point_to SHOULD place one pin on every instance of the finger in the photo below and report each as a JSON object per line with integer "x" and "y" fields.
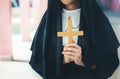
{"x": 67, "y": 59}
{"x": 69, "y": 54}
{"x": 70, "y": 58}
{"x": 75, "y": 56}
{"x": 72, "y": 45}
{"x": 71, "y": 49}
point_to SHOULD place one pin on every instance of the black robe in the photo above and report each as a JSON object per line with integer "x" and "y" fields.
{"x": 99, "y": 44}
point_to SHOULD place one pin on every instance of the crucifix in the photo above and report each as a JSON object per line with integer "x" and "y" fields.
{"x": 70, "y": 33}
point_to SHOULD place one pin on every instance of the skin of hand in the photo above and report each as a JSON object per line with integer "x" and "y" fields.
{"x": 72, "y": 51}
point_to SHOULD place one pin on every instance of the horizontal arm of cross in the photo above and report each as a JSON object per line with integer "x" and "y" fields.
{"x": 77, "y": 33}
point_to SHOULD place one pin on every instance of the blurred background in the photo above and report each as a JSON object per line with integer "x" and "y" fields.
{"x": 19, "y": 20}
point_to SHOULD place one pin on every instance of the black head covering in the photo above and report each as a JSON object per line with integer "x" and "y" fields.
{"x": 46, "y": 47}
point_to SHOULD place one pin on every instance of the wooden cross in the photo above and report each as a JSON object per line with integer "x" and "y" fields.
{"x": 70, "y": 33}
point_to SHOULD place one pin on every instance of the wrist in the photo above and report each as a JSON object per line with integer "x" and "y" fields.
{"x": 81, "y": 63}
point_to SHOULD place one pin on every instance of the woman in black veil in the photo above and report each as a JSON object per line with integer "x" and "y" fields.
{"x": 94, "y": 55}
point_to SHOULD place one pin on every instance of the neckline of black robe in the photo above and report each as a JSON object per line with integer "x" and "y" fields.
{"x": 46, "y": 47}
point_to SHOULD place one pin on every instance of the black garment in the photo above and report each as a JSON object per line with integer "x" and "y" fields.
{"x": 80, "y": 73}
{"x": 99, "y": 44}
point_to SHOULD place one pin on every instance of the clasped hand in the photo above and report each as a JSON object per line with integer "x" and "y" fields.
{"x": 73, "y": 52}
